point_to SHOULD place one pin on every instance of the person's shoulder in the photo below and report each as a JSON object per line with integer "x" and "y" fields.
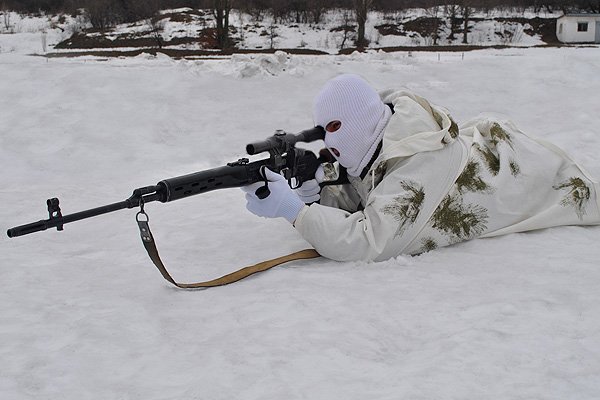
{"x": 404, "y": 96}
{"x": 389, "y": 95}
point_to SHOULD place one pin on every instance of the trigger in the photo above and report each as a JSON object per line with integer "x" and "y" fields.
{"x": 263, "y": 192}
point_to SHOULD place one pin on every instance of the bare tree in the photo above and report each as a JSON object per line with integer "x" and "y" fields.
{"x": 282, "y": 11}
{"x": 221, "y": 9}
{"x": 157, "y": 26}
{"x": 316, "y": 9}
{"x": 466, "y": 11}
{"x": 347, "y": 28}
{"x": 434, "y": 29}
{"x": 256, "y": 9}
{"x": 5, "y": 16}
{"x": 242, "y": 18}
{"x": 299, "y": 8}
{"x": 451, "y": 11}
{"x": 102, "y": 14}
{"x": 361, "y": 8}
{"x": 272, "y": 34}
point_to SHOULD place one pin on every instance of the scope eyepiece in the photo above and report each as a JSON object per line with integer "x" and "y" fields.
{"x": 311, "y": 135}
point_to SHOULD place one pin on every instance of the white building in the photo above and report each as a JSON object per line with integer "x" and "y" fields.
{"x": 578, "y": 28}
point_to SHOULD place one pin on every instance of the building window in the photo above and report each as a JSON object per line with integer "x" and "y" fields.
{"x": 582, "y": 27}
{"x": 560, "y": 28}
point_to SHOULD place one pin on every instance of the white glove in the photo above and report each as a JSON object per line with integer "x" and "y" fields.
{"x": 310, "y": 191}
{"x": 282, "y": 202}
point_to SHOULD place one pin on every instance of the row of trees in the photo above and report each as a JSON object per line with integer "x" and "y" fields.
{"x": 310, "y": 11}
{"x": 103, "y": 14}
{"x": 299, "y": 8}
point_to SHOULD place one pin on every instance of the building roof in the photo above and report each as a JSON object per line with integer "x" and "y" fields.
{"x": 579, "y": 15}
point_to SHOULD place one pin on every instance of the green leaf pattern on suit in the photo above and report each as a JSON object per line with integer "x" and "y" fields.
{"x": 406, "y": 208}
{"x": 577, "y": 195}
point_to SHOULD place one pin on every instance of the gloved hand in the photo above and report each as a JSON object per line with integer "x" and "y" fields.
{"x": 310, "y": 191}
{"x": 282, "y": 202}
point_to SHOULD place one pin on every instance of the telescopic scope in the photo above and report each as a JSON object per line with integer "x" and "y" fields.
{"x": 282, "y": 141}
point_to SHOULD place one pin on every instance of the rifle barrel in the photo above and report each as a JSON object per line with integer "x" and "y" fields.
{"x": 56, "y": 222}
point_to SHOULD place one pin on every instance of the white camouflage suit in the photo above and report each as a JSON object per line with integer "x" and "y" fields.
{"x": 434, "y": 184}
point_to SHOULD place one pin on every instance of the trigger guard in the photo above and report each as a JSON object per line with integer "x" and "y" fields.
{"x": 262, "y": 192}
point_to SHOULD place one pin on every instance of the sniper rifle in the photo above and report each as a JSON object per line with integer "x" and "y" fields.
{"x": 295, "y": 164}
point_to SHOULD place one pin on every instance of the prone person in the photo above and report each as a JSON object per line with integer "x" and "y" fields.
{"x": 417, "y": 182}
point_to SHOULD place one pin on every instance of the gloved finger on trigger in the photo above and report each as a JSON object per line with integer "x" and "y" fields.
{"x": 272, "y": 176}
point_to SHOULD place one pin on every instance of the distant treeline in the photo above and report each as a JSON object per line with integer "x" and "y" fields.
{"x": 129, "y": 10}
{"x": 104, "y": 14}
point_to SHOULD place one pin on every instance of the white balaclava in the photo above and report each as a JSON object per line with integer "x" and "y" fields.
{"x": 363, "y": 116}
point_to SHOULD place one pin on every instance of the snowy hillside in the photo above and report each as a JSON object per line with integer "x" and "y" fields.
{"x": 189, "y": 29}
{"x": 85, "y": 315}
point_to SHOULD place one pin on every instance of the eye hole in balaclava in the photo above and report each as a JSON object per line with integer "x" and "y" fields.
{"x": 333, "y": 126}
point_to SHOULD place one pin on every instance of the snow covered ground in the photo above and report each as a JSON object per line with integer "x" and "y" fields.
{"x": 85, "y": 315}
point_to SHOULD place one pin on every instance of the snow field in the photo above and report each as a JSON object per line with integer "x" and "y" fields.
{"x": 85, "y": 315}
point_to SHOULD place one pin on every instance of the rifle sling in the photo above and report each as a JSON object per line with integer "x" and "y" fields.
{"x": 150, "y": 246}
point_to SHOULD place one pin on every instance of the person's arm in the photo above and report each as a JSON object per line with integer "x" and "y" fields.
{"x": 382, "y": 228}
{"x": 337, "y": 196}
{"x": 343, "y": 197}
